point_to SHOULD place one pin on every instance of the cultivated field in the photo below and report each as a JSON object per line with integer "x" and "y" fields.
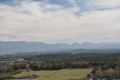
{"x": 65, "y": 74}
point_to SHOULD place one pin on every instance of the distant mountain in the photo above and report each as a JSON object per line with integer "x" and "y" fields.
{"x": 23, "y": 46}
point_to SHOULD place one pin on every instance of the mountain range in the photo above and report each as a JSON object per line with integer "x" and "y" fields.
{"x": 86, "y": 47}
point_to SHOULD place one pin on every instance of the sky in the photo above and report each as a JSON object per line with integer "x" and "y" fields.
{"x": 60, "y": 21}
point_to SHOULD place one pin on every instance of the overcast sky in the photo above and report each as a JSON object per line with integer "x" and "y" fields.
{"x": 65, "y": 21}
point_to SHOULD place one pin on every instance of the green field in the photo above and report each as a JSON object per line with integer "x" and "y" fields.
{"x": 64, "y": 74}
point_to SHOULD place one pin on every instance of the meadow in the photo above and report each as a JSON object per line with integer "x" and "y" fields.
{"x": 64, "y": 74}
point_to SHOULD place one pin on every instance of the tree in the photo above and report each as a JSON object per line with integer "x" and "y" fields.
{"x": 99, "y": 73}
{"x": 110, "y": 73}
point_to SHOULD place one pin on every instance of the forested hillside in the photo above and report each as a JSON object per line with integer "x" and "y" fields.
{"x": 103, "y": 65}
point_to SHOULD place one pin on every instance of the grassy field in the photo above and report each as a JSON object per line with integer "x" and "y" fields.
{"x": 65, "y": 74}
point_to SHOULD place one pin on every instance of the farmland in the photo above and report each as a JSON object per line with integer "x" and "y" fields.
{"x": 64, "y": 74}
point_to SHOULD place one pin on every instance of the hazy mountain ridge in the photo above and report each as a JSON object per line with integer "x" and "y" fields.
{"x": 23, "y": 46}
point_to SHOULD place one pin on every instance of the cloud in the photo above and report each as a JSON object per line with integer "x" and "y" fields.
{"x": 48, "y": 22}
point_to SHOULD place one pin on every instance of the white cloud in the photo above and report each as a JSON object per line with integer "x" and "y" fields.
{"x": 44, "y": 22}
